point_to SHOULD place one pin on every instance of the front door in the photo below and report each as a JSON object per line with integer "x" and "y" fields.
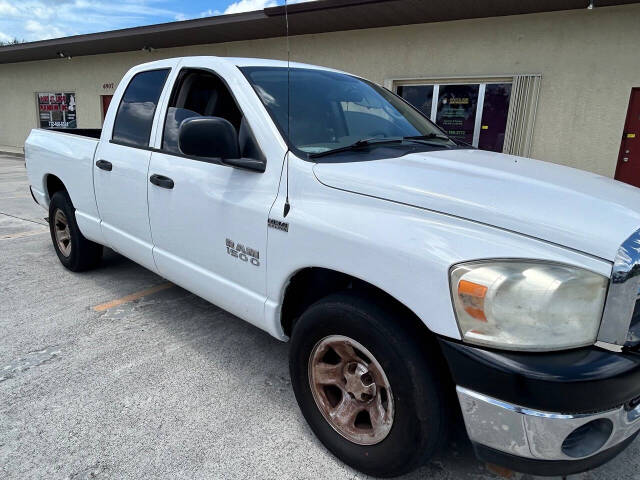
{"x": 628, "y": 169}
{"x": 209, "y": 220}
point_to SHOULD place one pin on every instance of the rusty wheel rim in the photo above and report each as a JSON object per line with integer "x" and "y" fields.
{"x": 62, "y": 233}
{"x": 351, "y": 390}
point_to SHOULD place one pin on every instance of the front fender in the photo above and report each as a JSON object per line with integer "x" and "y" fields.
{"x": 405, "y": 251}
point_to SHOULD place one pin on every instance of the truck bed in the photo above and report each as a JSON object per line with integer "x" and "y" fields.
{"x": 66, "y": 155}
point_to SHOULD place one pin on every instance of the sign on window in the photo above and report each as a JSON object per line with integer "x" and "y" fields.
{"x": 57, "y": 110}
{"x": 457, "y": 111}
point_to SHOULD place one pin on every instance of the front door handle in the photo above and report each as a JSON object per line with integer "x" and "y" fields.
{"x": 161, "y": 181}
{"x": 104, "y": 165}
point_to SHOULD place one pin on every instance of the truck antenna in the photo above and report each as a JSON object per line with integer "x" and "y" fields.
{"x": 287, "y": 205}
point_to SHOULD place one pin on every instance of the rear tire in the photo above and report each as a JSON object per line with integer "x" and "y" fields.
{"x": 411, "y": 363}
{"x": 74, "y": 251}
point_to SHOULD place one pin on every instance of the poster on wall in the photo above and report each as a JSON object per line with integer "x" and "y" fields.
{"x": 57, "y": 110}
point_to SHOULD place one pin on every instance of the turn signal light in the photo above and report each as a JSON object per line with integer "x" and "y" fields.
{"x": 472, "y": 297}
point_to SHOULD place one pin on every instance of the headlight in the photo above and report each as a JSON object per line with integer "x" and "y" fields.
{"x": 527, "y": 305}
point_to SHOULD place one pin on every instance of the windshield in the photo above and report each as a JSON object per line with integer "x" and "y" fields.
{"x": 331, "y": 110}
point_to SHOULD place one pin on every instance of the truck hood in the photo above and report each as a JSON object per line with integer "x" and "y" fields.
{"x": 562, "y": 205}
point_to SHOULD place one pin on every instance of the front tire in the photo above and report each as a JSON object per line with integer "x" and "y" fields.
{"x": 74, "y": 251}
{"x": 371, "y": 390}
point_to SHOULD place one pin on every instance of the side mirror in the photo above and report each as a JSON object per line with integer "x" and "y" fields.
{"x": 209, "y": 137}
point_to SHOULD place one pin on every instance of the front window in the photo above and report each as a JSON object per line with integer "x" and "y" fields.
{"x": 331, "y": 110}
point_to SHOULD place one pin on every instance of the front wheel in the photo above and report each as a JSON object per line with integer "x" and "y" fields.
{"x": 74, "y": 251}
{"x": 367, "y": 386}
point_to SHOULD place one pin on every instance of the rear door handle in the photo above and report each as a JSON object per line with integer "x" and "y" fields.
{"x": 161, "y": 181}
{"x": 104, "y": 165}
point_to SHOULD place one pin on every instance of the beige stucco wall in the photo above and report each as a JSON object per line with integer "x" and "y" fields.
{"x": 588, "y": 59}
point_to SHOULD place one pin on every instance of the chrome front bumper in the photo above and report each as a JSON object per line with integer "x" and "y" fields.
{"x": 541, "y": 435}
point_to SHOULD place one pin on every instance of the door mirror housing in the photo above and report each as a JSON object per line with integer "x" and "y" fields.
{"x": 209, "y": 137}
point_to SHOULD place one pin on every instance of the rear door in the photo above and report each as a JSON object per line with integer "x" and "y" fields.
{"x": 209, "y": 222}
{"x": 122, "y": 163}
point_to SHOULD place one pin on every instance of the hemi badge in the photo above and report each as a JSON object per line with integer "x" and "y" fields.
{"x": 278, "y": 225}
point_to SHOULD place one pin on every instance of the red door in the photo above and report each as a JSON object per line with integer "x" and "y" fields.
{"x": 106, "y": 100}
{"x": 628, "y": 169}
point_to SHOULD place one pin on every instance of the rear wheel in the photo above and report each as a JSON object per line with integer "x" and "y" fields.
{"x": 368, "y": 387}
{"x": 74, "y": 251}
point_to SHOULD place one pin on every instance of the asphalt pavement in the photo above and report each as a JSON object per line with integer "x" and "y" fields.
{"x": 117, "y": 374}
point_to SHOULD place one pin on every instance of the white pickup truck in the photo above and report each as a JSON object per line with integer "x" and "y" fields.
{"x": 417, "y": 279}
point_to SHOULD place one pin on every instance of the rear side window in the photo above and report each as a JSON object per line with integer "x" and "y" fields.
{"x": 135, "y": 114}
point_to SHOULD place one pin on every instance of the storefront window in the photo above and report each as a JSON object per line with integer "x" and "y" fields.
{"x": 420, "y": 96}
{"x": 474, "y": 113}
{"x": 494, "y": 116}
{"x": 457, "y": 111}
{"x": 57, "y": 110}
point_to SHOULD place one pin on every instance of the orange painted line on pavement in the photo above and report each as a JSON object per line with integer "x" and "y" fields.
{"x": 134, "y": 296}
{"x": 9, "y": 236}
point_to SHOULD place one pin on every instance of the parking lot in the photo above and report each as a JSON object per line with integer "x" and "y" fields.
{"x": 116, "y": 373}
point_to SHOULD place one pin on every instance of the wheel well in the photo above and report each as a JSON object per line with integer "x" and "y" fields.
{"x": 311, "y": 284}
{"x": 54, "y": 184}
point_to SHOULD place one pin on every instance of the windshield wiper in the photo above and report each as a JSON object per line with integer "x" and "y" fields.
{"x": 365, "y": 142}
{"x": 429, "y": 136}
{"x": 436, "y": 136}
